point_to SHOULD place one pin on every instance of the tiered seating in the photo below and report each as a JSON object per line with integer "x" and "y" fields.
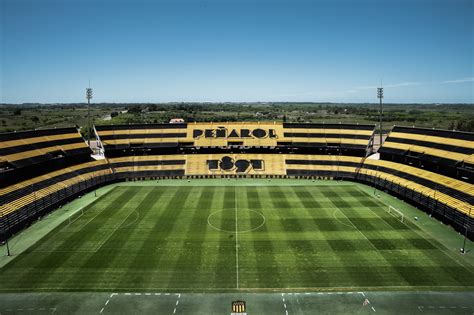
{"x": 350, "y": 137}
{"x": 453, "y": 193}
{"x": 30, "y": 147}
{"x": 447, "y": 152}
{"x": 141, "y": 136}
{"x": 121, "y": 140}
{"x": 148, "y": 166}
{"x": 30, "y": 197}
{"x": 322, "y": 165}
{"x": 42, "y": 168}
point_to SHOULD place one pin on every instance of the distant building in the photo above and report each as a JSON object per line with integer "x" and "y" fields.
{"x": 176, "y": 120}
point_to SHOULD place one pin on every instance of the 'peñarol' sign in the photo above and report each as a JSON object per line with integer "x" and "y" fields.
{"x": 225, "y": 133}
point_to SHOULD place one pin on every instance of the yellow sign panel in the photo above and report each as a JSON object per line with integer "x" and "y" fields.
{"x": 224, "y": 134}
{"x": 238, "y": 307}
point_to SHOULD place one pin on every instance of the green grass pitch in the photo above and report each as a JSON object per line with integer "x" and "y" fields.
{"x": 227, "y": 238}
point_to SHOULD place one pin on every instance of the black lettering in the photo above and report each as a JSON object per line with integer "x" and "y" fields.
{"x": 227, "y": 163}
{"x": 210, "y": 133}
{"x": 272, "y": 133}
{"x": 234, "y": 134}
{"x": 221, "y": 132}
{"x": 245, "y": 133}
{"x": 242, "y": 166}
{"x": 257, "y": 164}
{"x": 259, "y": 133}
{"x": 213, "y": 164}
{"x": 197, "y": 133}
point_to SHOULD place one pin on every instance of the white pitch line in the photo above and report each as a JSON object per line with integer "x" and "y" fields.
{"x": 177, "y": 302}
{"x": 373, "y": 309}
{"x": 236, "y": 242}
{"x": 284, "y": 303}
{"x": 107, "y": 302}
{"x": 101, "y": 310}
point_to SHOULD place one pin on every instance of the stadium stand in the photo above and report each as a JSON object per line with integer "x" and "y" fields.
{"x": 30, "y": 147}
{"x": 269, "y": 137}
{"x": 349, "y": 138}
{"x": 153, "y": 166}
{"x": 447, "y": 152}
{"x": 128, "y": 137}
{"x": 431, "y": 169}
{"x": 42, "y": 169}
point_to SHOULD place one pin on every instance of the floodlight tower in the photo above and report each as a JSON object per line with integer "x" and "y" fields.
{"x": 89, "y": 97}
{"x": 380, "y": 97}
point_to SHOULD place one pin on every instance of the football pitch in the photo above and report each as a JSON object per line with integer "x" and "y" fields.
{"x": 273, "y": 238}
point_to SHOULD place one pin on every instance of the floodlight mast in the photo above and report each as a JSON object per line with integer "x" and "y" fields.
{"x": 380, "y": 97}
{"x": 89, "y": 97}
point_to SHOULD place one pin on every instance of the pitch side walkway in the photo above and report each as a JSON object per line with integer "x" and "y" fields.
{"x": 350, "y": 302}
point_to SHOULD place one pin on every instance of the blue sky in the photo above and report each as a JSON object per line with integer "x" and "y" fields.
{"x": 261, "y": 50}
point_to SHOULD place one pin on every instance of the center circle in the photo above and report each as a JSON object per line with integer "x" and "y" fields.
{"x": 225, "y": 220}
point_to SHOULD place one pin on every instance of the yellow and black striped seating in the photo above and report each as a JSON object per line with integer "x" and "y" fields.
{"x": 29, "y": 147}
{"x": 441, "y": 147}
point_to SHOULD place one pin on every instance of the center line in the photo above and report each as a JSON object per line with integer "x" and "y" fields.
{"x": 236, "y": 240}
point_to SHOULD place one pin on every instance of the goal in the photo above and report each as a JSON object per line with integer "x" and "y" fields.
{"x": 396, "y": 213}
{"x": 76, "y": 215}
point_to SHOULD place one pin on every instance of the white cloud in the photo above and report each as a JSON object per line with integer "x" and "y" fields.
{"x": 470, "y": 79}
{"x": 359, "y": 89}
{"x": 403, "y": 84}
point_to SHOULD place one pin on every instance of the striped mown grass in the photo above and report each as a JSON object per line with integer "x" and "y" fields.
{"x": 226, "y": 238}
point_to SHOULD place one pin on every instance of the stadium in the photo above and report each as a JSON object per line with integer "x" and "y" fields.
{"x": 275, "y": 218}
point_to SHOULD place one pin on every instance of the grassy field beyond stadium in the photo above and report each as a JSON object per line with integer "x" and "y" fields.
{"x": 228, "y": 238}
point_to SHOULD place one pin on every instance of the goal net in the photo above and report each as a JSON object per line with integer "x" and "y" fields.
{"x": 73, "y": 217}
{"x": 396, "y": 213}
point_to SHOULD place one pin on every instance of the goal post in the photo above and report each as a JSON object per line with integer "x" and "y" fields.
{"x": 76, "y": 215}
{"x": 396, "y": 213}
